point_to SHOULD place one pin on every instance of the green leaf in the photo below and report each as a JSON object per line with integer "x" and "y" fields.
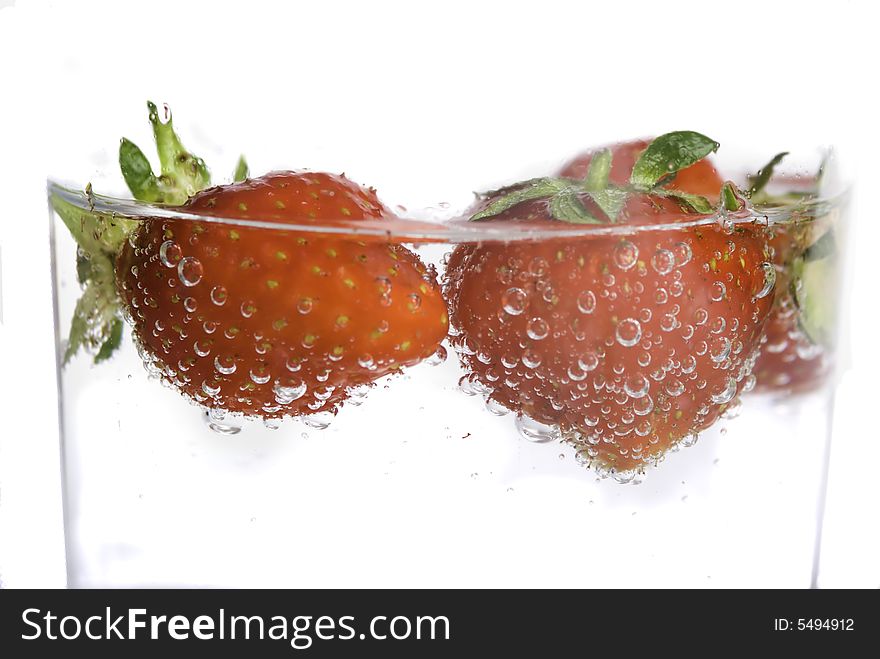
{"x": 731, "y": 197}
{"x": 137, "y": 172}
{"x": 79, "y": 327}
{"x": 697, "y": 202}
{"x": 83, "y": 267}
{"x": 96, "y": 325}
{"x": 610, "y": 200}
{"x": 112, "y": 342}
{"x": 668, "y": 154}
{"x": 241, "y": 170}
{"x": 99, "y": 237}
{"x": 814, "y": 288}
{"x": 759, "y": 181}
{"x": 600, "y": 169}
{"x": 534, "y": 189}
{"x": 567, "y": 207}
{"x": 824, "y": 247}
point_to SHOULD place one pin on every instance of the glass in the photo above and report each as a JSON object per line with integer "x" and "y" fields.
{"x": 485, "y": 455}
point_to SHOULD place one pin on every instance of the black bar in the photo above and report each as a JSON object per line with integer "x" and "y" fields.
{"x": 519, "y": 622}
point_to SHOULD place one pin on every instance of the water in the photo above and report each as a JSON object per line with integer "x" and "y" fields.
{"x": 413, "y": 471}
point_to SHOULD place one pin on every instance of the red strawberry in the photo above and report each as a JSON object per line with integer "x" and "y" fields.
{"x": 790, "y": 361}
{"x": 627, "y": 344}
{"x": 271, "y": 322}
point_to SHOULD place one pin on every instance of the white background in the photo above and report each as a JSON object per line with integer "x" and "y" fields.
{"x": 446, "y": 89}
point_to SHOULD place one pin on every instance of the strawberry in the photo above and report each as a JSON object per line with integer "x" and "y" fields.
{"x": 789, "y": 361}
{"x": 270, "y": 320}
{"x": 626, "y": 344}
{"x": 274, "y": 322}
{"x": 792, "y": 360}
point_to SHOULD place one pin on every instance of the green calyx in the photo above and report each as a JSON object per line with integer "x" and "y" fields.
{"x": 655, "y": 168}
{"x": 182, "y": 174}
{"x": 97, "y": 323}
{"x": 97, "y": 320}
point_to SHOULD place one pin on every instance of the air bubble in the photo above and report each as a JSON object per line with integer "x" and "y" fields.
{"x": 636, "y": 385}
{"x": 190, "y": 271}
{"x": 215, "y": 420}
{"x": 674, "y": 387}
{"x": 725, "y": 393}
{"x": 210, "y": 389}
{"x": 219, "y": 295}
{"x": 383, "y": 284}
{"x": 535, "y": 431}
{"x": 719, "y": 350}
{"x": 169, "y": 253}
{"x": 537, "y": 329}
{"x": 588, "y": 361}
{"x": 663, "y": 261}
{"x": 769, "y": 277}
{"x": 531, "y": 359}
{"x": 225, "y": 365}
{"x": 509, "y": 361}
{"x": 202, "y": 349}
{"x": 668, "y": 322}
{"x": 576, "y": 374}
{"x": 626, "y": 254}
{"x": 366, "y": 361}
{"x": 629, "y": 332}
{"x": 718, "y": 291}
{"x": 496, "y": 408}
{"x": 538, "y": 266}
{"x": 643, "y": 406}
{"x": 286, "y": 394}
{"x": 514, "y": 301}
{"x": 248, "y": 309}
{"x": 319, "y": 420}
{"x": 586, "y": 302}
{"x": 304, "y": 305}
{"x": 260, "y": 375}
{"x": 683, "y": 254}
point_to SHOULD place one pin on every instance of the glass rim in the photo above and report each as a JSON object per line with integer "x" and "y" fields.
{"x": 455, "y": 230}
